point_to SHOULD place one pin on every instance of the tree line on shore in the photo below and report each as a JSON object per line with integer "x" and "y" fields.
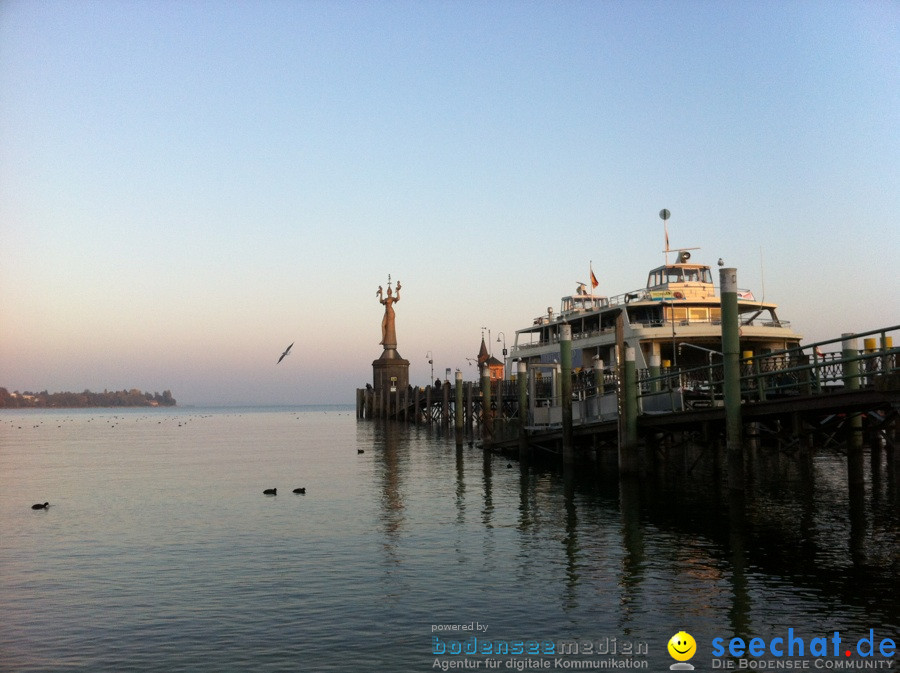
{"x": 108, "y": 398}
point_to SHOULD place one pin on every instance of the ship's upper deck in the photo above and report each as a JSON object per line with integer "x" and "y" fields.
{"x": 668, "y": 287}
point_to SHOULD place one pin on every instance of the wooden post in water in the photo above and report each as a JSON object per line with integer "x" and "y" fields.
{"x": 522, "y": 385}
{"x": 849, "y": 355}
{"x": 470, "y": 410}
{"x": 731, "y": 386}
{"x": 655, "y": 371}
{"x": 458, "y": 409}
{"x": 445, "y": 404}
{"x": 628, "y": 462}
{"x": 851, "y": 376}
{"x": 565, "y": 388}
{"x": 486, "y": 420}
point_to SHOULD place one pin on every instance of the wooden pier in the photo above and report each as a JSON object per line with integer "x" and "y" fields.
{"x": 827, "y": 392}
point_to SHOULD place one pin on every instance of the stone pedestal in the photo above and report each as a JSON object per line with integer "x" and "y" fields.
{"x": 390, "y": 370}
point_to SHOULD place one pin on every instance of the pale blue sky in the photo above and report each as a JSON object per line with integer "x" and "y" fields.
{"x": 188, "y": 187}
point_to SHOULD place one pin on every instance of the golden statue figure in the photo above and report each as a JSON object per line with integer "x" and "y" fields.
{"x": 388, "y": 331}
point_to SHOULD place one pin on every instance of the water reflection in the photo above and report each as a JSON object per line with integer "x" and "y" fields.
{"x": 633, "y": 542}
{"x": 675, "y": 541}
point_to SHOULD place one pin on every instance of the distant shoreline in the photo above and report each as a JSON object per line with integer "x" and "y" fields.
{"x": 85, "y": 400}
{"x": 338, "y": 407}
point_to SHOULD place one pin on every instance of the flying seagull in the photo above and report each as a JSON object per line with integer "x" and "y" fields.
{"x": 286, "y": 351}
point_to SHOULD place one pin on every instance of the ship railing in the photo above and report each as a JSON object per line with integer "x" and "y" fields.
{"x": 594, "y": 398}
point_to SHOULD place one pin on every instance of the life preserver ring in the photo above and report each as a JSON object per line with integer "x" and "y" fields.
{"x": 678, "y": 295}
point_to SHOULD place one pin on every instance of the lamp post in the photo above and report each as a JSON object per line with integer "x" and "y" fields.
{"x": 431, "y": 362}
{"x": 501, "y": 334}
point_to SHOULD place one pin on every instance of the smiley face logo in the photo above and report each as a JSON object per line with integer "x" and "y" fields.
{"x": 682, "y": 646}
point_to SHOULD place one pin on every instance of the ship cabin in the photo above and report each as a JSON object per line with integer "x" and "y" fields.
{"x": 676, "y": 317}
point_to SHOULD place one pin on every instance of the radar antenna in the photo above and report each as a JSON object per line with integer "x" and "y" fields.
{"x": 664, "y": 215}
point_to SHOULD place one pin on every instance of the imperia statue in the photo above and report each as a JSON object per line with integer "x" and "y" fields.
{"x": 388, "y": 330}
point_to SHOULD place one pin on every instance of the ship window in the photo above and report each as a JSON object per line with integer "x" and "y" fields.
{"x": 645, "y": 315}
{"x": 699, "y": 314}
{"x": 715, "y": 313}
{"x": 673, "y": 275}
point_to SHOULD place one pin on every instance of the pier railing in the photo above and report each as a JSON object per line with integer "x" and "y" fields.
{"x": 807, "y": 370}
{"x": 811, "y": 369}
{"x": 819, "y": 368}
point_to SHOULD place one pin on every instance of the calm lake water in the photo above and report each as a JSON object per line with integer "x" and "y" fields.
{"x": 159, "y": 551}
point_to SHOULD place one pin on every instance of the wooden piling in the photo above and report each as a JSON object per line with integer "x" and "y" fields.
{"x": 522, "y": 385}
{"x": 655, "y": 371}
{"x": 565, "y": 388}
{"x": 470, "y": 410}
{"x": 851, "y": 378}
{"x": 731, "y": 385}
{"x": 628, "y": 444}
{"x": 486, "y": 420}
{"x": 458, "y": 409}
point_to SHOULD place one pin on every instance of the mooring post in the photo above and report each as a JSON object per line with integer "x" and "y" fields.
{"x": 470, "y": 411}
{"x": 731, "y": 385}
{"x": 655, "y": 371}
{"x": 849, "y": 356}
{"x": 458, "y": 409}
{"x": 522, "y": 385}
{"x": 445, "y": 404}
{"x": 887, "y": 344}
{"x": 628, "y": 462}
{"x": 565, "y": 390}
{"x": 851, "y": 376}
{"x": 486, "y": 420}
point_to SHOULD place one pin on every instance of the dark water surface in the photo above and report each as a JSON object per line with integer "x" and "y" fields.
{"x": 159, "y": 551}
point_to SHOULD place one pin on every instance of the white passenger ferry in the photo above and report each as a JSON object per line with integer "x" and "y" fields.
{"x": 673, "y": 322}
